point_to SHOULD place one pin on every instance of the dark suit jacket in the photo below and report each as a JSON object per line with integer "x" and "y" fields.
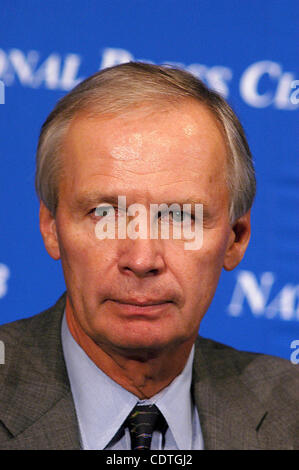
{"x": 244, "y": 400}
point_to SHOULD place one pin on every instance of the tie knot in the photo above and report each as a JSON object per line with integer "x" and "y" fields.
{"x": 142, "y": 422}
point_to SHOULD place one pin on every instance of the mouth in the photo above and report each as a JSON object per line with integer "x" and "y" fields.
{"x": 141, "y": 308}
{"x": 142, "y": 303}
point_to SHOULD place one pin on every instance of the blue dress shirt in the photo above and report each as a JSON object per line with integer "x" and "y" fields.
{"x": 102, "y": 405}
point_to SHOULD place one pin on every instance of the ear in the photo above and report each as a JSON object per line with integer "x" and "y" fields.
{"x": 47, "y": 226}
{"x": 238, "y": 242}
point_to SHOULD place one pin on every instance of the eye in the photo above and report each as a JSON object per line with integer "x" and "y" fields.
{"x": 103, "y": 211}
{"x": 181, "y": 216}
{"x": 177, "y": 216}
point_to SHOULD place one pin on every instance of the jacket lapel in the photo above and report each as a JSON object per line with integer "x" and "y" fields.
{"x": 55, "y": 430}
{"x": 36, "y": 405}
{"x": 231, "y": 415}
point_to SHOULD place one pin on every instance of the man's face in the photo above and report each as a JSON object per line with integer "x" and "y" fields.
{"x": 143, "y": 294}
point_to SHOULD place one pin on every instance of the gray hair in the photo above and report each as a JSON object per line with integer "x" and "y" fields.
{"x": 124, "y": 86}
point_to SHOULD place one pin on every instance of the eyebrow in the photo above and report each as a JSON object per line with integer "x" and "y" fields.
{"x": 88, "y": 199}
{"x": 189, "y": 200}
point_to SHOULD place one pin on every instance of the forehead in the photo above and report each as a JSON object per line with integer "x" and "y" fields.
{"x": 174, "y": 145}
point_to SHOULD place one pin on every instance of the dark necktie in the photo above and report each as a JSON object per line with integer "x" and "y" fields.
{"x": 142, "y": 422}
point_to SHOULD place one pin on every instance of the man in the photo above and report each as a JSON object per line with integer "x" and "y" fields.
{"x": 125, "y": 334}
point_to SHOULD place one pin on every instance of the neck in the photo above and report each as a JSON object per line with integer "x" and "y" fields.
{"x": 144, "y": 378}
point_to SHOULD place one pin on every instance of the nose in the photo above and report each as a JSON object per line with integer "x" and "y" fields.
{"x": 141, "y": 258}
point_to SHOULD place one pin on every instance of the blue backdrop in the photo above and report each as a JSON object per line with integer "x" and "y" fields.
{"x": 247, "y": 50}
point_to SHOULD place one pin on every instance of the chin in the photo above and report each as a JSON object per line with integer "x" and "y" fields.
{"x": 140, "y": 345}
{"x": 139, "y": 351}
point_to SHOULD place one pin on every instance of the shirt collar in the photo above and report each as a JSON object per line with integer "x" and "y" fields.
{"x": 102, "y": 405}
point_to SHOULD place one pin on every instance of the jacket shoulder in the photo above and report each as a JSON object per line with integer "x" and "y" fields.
{"x": 24, "y": 330}
{"x": 36, "y": 405}
{"x": 269, "y": 377}
{"x": 245, "y": 400}
{"x": 31, "y": 341}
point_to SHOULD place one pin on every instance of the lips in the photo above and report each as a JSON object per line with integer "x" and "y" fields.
{"x": 140, "y": 308}
{"x": 142, "y": 303}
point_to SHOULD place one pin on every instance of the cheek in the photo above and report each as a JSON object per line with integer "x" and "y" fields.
{"x": 201, "y": 270}
{"x": 82, "y": 255}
